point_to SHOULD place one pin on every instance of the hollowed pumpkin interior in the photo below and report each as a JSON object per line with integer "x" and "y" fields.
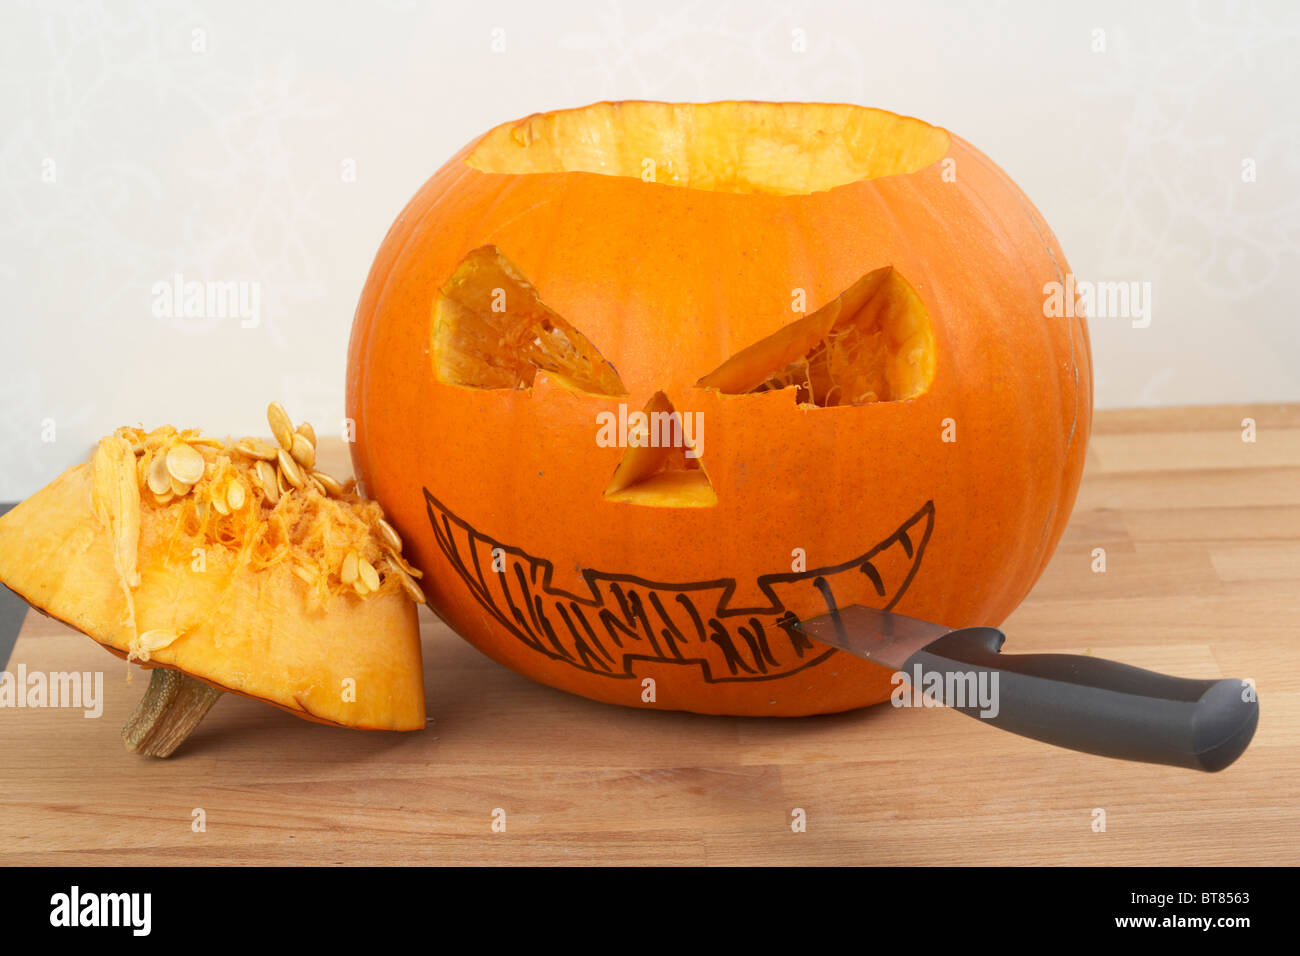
{"x": 872, "y": 343}
{"x": 490, "y": 330}
{"x": 774, "y": 148}
{"x": 656, "y": 469}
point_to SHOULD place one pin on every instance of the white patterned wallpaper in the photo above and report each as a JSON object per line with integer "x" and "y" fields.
{"x": 269, "y": 146}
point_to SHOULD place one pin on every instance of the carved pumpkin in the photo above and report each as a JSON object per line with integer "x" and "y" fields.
{"x": 642, "y": 384}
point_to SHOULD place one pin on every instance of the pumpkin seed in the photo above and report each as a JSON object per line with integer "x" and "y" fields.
{"x": 264, "y": 474}
{"x": 366, "y": 572}
{"x": 256, "y": 448}
{"x": 305, "y": 429}
{"x": 289, "y": 469}
{"x": 164, "y": 499}
{"x": 396, "y": 558}
{"x": 313, "y": 483}
{"x": 389, "y": 535}
{"x": 303, "y": 451}
{"x": 409, "y": 586}
{"x": 360, "y": 587}
{"x": 179, "y": 488}
{"x": 331, "y": 484}
{"x": 348, "y": 573}
{"x": 158, "y": 479}
{"x": 281, "y": 483}
{"x": 219, "y": 499}
{"x": 153, "y": 640}
{"x": 185, "y": 464}
{"x": 235, "y": 496}
{"x": 281, "y": 425}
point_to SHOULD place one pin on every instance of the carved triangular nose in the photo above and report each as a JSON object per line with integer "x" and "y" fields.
{"x": 661, "y": 466}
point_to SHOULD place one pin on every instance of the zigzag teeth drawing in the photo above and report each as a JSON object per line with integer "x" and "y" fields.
{"x": 626, "y": 620}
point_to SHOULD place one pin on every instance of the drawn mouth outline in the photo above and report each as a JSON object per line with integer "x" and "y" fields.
{"x": 632, "y": 609}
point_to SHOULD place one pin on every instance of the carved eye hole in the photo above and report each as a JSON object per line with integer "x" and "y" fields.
{"x": 492, "y": 330}
{"x": 872, "y": 343}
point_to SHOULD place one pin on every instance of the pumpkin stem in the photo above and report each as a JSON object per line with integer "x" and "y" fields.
{"x": 171, "y": 708}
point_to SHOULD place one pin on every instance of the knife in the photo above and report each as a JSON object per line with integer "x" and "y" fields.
{"x": 1083, "y": 703}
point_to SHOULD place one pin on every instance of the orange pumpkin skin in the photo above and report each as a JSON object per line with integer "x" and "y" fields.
{"x": 669, "y": 282}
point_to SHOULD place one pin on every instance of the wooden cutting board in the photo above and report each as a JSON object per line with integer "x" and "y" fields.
{"x": 1202, "y": 538}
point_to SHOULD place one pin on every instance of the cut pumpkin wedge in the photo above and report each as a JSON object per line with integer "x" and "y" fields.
{"x": 230, "y": 582}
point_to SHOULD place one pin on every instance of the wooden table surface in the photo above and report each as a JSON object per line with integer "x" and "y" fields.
{"x": 1202, "y": 539}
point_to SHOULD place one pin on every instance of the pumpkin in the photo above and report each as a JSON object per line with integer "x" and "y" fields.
{"x": 646, "y": 384}
{"x": 225, "y": 566}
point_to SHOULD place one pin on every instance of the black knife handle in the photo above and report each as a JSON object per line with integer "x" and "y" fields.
{"x": 1093, "y": 705}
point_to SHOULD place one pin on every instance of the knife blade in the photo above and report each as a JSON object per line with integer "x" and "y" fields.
{"x": 879, "y": 636}
{"x": 1079, "y": 702}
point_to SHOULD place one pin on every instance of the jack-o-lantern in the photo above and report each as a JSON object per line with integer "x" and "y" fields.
{"x": 644, "y": 384}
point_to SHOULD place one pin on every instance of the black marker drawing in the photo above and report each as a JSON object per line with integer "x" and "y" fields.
{"x": 626, "y": 619}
